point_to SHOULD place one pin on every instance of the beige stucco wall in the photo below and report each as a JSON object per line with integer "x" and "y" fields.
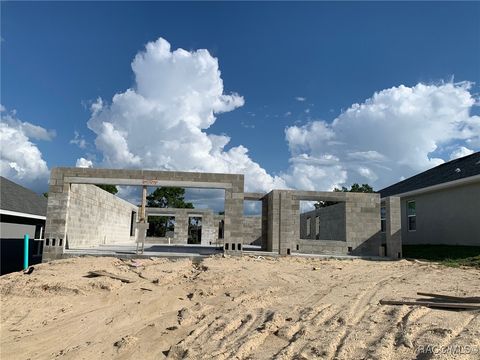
{"x": 449, "y": 216}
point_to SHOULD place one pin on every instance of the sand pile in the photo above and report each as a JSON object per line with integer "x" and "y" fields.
{"x": 233, "y": 308}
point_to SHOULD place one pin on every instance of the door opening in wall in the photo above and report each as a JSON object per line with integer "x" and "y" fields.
{"x": 252, "y": 225}
{"x": 194, "y": 230}
{"x": 161, "y": 226}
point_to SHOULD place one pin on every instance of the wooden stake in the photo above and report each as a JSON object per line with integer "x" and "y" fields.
{"x": 445, "y": 305}
{"x": 108, "y": 274}
{"x": 473, "y": 299}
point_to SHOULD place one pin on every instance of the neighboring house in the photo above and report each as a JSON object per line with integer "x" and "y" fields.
{"x": 21, "y": 212}
{"x": 441, "y": 205}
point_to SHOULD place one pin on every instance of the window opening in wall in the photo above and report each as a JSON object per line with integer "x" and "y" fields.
{"x": 161, "y": 226}
{"x": 239, "y": 247}
{"x": 411, "y": 215}
{"x": 194, "y": 230}
{"x": 220, "y": 229}
{"x": 233, "y": 246}
{"x": 226, "y": 246}
{"x": 383, "y": 217}
{"x": 309, "y": 227}
{"x": 253, "y": 225}
{"x": 322, "y": 220}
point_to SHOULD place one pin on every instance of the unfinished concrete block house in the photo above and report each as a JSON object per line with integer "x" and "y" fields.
{"x": 81, "y": 215}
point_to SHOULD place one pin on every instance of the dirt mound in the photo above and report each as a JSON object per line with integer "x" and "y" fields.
{"x": 233, "y": 308}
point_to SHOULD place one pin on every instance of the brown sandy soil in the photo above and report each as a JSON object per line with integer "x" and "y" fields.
{"x": 233, "y": 308}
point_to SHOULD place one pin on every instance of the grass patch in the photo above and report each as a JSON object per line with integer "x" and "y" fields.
{"x": 448, "y": 255}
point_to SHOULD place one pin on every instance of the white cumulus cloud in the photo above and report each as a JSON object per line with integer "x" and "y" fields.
{"x": 393, "y": 134}
{"x": 20, "y": 158}
{"x": 84, "y": 163}
{"x": 460, "y": 152}
{"x": 161, "y": 122}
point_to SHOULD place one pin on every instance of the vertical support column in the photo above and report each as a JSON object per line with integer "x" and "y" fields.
{"x": 233, "y": 232}
{"x": 266, "y": 245}
{"x": 208, "y": 229}
{"x": 393, "y": 227}
{"x": 142, "y": 225}
{"x": 181, "y": 227}
{"x": 287, "y": 223}
{"x": 144, "y": 204}
{"x": 273, "y": 221}
{"x": 57, "y": 208}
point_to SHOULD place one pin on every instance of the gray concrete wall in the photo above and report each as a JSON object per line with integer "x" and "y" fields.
{"x": 328, "y": 223}
{"x": 252, "y": 230}
{"x": 362, "y": 222}
{"x": 449, "y": 216}
{"x": 327, "y": 247}
{"x": 393, "y": 232}
{"x": 62, "y": 178}
{"x": 180, "y": 235}
{"x": 97, "y": 217}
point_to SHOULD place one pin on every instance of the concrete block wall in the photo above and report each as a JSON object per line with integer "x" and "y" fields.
{"x": 363, "y": 223}
{"x": 328, "y": 223}
{"x": 182, "y": 218}
{"x": 62, "y": 178}
{"x": 209, "y": 230}
{"x": 181, "y": 228}
{"x": 252, "y": 230}
{"x": 281, "y": 221}
{"x": 393, "y": 228}
{"x": 56, "y": 223}
{"x": 327, "y": 247}
{"x": 97, "y": 217}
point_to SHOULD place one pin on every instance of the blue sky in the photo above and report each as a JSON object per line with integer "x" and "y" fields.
{"x": 297, "y": 66}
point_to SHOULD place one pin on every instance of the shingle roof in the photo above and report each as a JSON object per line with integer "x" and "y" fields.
{"x": 14, "y": 197}
{"x": 453, "y": 170}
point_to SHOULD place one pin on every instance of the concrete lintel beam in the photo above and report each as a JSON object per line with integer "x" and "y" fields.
{"x": 319, "y": 196}
{"x": 143, "y": 182}
{"x": 253, "y": 196}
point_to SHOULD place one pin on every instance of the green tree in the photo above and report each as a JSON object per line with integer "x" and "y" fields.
{"x": 45, "y": 194}
{"x": 112, "y": 189}
{"x": 364, "y": 188}
{"x": 173, "y": 197}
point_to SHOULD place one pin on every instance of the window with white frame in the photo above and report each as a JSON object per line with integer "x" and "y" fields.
{"x": 383, "y": 219}
{"x": 411, "y": 215}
